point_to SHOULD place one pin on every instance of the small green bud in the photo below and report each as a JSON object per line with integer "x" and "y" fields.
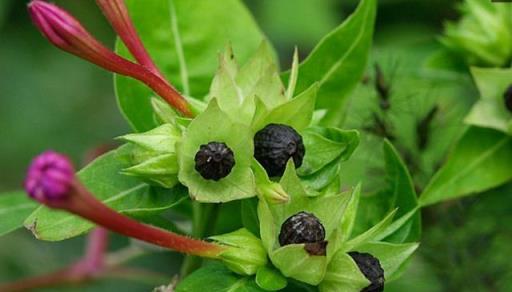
{"x": 245, "y": 252}
{"x": 273, "y": 192}
{"x": 153, "y": 155}
{"x": 161, "y": 139}
{"x": 161, "y": 169}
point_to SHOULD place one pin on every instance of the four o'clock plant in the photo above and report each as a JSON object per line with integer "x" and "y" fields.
{"x": 263, "y": 140}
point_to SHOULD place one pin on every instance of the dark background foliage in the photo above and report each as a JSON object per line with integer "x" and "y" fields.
{"x": 51, "y": 100}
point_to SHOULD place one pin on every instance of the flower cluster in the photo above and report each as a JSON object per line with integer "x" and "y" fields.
{"x": 250, "y": 137}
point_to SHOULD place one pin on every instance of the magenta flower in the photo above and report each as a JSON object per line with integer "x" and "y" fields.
{"x": 49, "y": 177}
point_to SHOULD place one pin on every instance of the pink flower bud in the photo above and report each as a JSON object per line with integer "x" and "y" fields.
{"x": 50, "y": 177}
{"x": 65, "y": 32}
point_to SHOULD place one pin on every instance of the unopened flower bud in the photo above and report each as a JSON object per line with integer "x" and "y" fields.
{"x": 274, "y": 193}
{"x": 50, "y": 177}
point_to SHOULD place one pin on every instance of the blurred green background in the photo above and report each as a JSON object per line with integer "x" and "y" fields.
{"x": 51, "y": 100}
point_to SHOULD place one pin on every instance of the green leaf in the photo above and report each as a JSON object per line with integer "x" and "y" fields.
{"x": 369, "y": 235}
{"x": 321, "y": 150}
{"x": 269, "y": 279}
{"x": 490, "y": 110}
{"x": 14, "y": 209}
{"x": 339, "y": 61}
{"x": 343, "y": 275}
{"x": 481, "y": 160}
{"x": 122, "y": 193}
{"x": 401, "y": 190}
{"x": 216, "y": 277}
{"x": 391, "y": 256}
{"x": 184, "y": 37}
{"x": 215, "y": 125}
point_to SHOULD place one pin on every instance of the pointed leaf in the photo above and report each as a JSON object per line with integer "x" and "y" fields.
{"x": 391, "y": 256}
{"x": 339, "y": 61}
{"x": 481, "y": 160}
{"x": 14, "y": 209}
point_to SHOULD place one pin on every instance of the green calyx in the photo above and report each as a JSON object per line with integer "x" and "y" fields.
{"x": 245, "y": 253}
{"x": 215, "y": 125}
{"x": 490, "y": 111}
{"x": 153, "y": 155}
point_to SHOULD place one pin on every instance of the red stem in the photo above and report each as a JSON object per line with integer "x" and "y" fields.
{"x": 84, "y": 204}
{"x": 62, "y": 277}
{"x": 117, "y": 14}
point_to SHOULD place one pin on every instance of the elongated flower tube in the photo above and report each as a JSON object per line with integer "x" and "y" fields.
{"x": 49, "y": 181}
{"x": 65, "y": 32}
{"x": 117, "y": 14}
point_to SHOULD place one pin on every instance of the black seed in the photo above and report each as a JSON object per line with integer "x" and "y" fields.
{"x": 302, "y": 227}
{"x": 214, "y": 160}
{"x": 371, "y": 269}
{"x": 508, "y": 98}
{"x": 274, "y": 145}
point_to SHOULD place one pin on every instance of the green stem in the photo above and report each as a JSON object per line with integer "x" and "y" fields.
{"x": 204, "y": 219}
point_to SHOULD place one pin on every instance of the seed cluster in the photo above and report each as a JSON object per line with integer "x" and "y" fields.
{"x": 508, "y": 98}
{"x": 274, "y": 145}
{"x": 371, "y": 269}
{"x": 306, "y": 228}
{"x": 214, "y": 160}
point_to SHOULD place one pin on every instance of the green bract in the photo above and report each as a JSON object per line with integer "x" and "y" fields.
{"x": 484, "y": 35}
{"x": 236, "y": 88}
{"x": 214, "y": 125}
{"x": 245, "y": 253}
{"x": 490, "y": 110}
{"x": 293, "y": 260}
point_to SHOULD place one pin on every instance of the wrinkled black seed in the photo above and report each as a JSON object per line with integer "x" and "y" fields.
{"x": 302, "y": 227}
{"x": 508, "y": 98}
{"x": 274, "y": 145}
{"x": 371, "y": 269}
{"x": 214, "y": 160}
